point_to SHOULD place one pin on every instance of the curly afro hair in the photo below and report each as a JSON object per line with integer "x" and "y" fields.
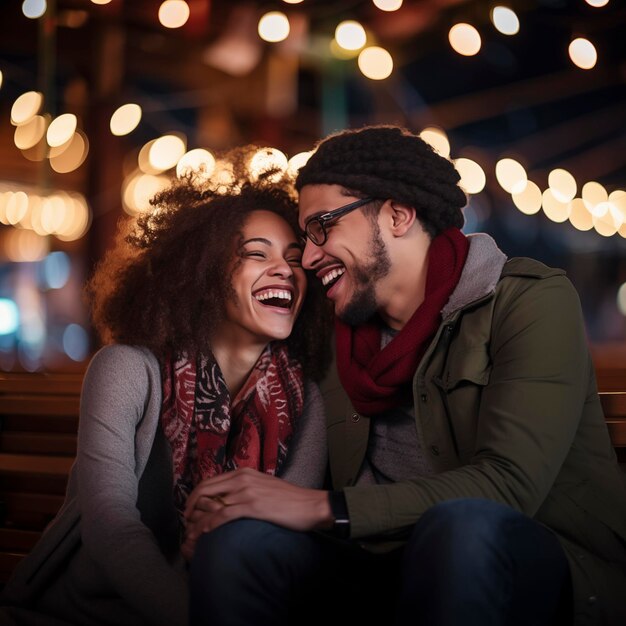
{"x": 165, "y": 282}
{"x": 389, "y": 162}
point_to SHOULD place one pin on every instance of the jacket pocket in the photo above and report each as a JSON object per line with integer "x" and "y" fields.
{"x": 471, "y": 366}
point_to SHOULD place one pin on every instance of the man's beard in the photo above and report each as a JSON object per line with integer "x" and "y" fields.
{"x": 363, "y": 303}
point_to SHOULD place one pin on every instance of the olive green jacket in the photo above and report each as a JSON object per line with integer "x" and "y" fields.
{"x": 506, "y": 406}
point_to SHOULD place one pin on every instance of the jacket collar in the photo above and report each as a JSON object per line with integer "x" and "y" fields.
{"x": 480, "y": 275}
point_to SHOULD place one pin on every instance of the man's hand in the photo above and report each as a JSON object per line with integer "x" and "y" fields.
{"x": 251, "y": 494}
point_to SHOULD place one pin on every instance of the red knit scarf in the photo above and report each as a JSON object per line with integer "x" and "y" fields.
{"x": 377, "y": 380}
{"x": 210, "y": 436}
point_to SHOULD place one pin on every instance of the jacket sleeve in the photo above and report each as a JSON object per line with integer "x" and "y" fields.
{"x": 307, "y": 457}
{"x": 528, "y": 416}
{"x": 115, "y": 396}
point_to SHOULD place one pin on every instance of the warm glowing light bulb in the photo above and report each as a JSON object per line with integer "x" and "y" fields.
{"x": 505, "y": 20}
{"x": 511, "y": 175}
{"x": 597, "y": 3}
{"x": 579, "y": 216}
{"x": 375, "y": 63}
{"x": 61, "y": 129}
{"x": 73, "y": 156}
{"x": 198, "y": 163}
{"x": 605, "y": 225}
{"x": 596, "y": 198}
{"x": 1, "y": 78}
{"x": 528, "y": 201}
{"x": 30, "y": 134}
{"x": 268, "y": 159}
{"x": 438, "y": 139}
{"x": 562, "y": 184}
{"x": 34, "y": 9}
{"x": 274, "y": 27}
{"x": 473, "y": 177}
{"x": 554, "y": 209}
{"x": 464, "y": 39}
{"x": 583, "y": 53}
{"x": 26, "y": 107}
{"x": 388, "y": 5}
{"x": 297, "y": 161}
{"x": 165, "y": 152}
{"x": 350, "y": 35}
{"x": 173, "y": 13}
{"x": 101, "y": 1}
{"x": 125, "y": 119}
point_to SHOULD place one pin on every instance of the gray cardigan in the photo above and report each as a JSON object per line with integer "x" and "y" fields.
{"x": 111, "y": 555}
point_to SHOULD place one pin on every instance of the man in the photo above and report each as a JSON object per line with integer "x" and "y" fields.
{"x": 474, "y": 479}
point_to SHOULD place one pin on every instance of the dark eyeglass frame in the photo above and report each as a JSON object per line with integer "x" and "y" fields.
{"x": 331, "y": 216}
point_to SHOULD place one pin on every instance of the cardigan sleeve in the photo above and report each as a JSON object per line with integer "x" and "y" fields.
{"x": 307, "y": 456}
{"x": 117, "y": 392}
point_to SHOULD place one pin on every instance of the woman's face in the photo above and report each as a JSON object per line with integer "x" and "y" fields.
{"x": 269, "y": 282}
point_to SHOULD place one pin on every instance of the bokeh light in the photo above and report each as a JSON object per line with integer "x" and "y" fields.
{"x": 56, "y": 270}
{"x": 76, "y": 342}
{"x": 26, "y": 107}
{"x": 350, "y": 35}
{"x": 125, "y": 119}
{"x": 579, "y": 216}
{"x": 274, "y": 27}
{"x": 297, "y": 161}
{"x": 268, "y": 159}
{"x": 375, "y": 63}
{"x": 34, "y": 9}
{"x": 438, "y": 139}
{"x": 528, "y": 201}
{"x": 173, "y": 13}
{"x": 388, "y": 5}
{"x": 511, "y": 175}
{"x": 505, "y": 20}
{"x": 166, "y": 151}
{"x": 465, "y": 39}
{"x": 583, "y": 53}
{"x": 9, "y": 316}
{"x": 61, "y": 129}
{"x": 473, "y": 177}
{"x": 554, "y": 209}
{"x": 31, "y": 133}
{"x": 562, "y": 184}
{"x": 199, "y": 162}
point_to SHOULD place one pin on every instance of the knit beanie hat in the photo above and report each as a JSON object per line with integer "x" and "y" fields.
{"x": 389, "y": 162}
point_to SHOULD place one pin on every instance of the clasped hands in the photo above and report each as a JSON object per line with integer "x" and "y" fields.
{"x": 247, "y": 493}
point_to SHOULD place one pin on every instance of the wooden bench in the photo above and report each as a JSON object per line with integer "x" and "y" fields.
{"x": 38, "y": 425}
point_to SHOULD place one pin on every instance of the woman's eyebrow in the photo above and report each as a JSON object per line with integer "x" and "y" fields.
{"x": 267, "y": 242}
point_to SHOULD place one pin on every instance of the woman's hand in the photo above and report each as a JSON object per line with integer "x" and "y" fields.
{"x": 251, "y": 494}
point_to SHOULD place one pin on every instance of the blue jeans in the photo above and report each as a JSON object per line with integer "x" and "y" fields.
{"x": 468, "y": 562}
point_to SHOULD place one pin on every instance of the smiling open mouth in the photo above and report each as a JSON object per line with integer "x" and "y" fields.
{"x": 281, "y": 298}
{"x": 328, "y": 280}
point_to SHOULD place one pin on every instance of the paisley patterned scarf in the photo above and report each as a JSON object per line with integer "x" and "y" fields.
{"x": 210, "y": 435}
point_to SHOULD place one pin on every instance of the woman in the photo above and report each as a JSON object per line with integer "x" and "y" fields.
{"x": 204, "y": 375}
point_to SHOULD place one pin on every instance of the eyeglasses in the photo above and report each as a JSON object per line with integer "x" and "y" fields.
{"x": 315, "y": 227}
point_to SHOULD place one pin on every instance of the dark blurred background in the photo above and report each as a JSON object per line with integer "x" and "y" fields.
{"x": 539, "y": 140}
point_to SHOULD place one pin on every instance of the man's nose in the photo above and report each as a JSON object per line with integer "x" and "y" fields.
{"x": 311, "y": 255}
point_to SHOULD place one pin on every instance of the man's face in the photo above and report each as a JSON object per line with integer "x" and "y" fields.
{"x": 353, "y": 260}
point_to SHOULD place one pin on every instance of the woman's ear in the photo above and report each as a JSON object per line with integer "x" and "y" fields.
{"x": 400, "y": 217}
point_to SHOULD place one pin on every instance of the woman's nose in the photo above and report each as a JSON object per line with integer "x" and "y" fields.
{"x": 282, "y": 268}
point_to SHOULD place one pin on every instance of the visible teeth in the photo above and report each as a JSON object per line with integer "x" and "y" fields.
{"x": 266, "y": 295}
{"x": 332, "y": 275}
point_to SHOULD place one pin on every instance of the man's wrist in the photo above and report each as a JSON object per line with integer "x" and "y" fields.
{"x": 341, "y": 517}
